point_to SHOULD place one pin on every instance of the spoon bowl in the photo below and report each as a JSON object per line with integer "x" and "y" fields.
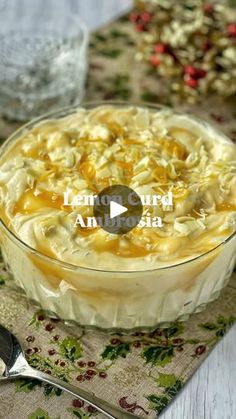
{"x": 16, "y": 365}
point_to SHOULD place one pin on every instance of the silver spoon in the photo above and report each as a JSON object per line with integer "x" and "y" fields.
{"x": 12, "y": 355}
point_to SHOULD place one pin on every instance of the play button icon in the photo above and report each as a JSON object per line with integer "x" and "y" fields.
{"x": 118, "y": 209}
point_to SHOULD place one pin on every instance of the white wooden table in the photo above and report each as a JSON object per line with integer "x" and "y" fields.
{"x": 211, "y": 393}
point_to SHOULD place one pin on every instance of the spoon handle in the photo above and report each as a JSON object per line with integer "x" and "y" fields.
{"x": 103, "y": 407}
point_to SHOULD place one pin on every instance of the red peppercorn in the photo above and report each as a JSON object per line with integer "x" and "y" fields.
{"x": 91, "y": 373}
{"x": 206, "y": 46}
{"x": 195, "y": 72}
{"x": 115, "y": 341}
{"x": 29, "y": 351}
{"x": 180, "y": 349}
{"x": 161, "y": 48}
{"x": 103, "y": 374}
{"x": 155, "y": 60}
{"x": 91, "y": 364}
{"x": 208, "y": 8}
{"x": 191, "y": 71}
{"x": 82, "y": 364}
{"x": 191, "y": 82}
{"x": 80, "y": 377}
{"x": 36, "y": 350}
{"x": 146, "y": 17}
{"x": 30, "y": 338}
{"x": 200, "y": 350}
{"x": 231, "y": 29}
{"x": 178, "y": 341}
{"x": 49, "y": 327}
{"x": 137, "y": 344}
{"x": 139, "y": 334}
{"x": 78, "y": 403}
{"x": 141, "y": 27}
{"x": 62, "y": 363}
{"x": 134, "y": 17}
{"x": 56, "y": 338}
{"x": 48, "y": 372}
{"x": 51, "y": 352}
{"x": 201, "y": 73}
{"x": 91, "y": 409}
{"x": 41, "y": 318}
{"x": 218, "y": 118}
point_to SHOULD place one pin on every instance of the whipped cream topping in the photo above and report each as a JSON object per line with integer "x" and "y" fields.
{"x": 153, "y": 152}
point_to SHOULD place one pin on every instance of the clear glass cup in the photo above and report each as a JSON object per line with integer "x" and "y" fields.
{"x": 43, "y": 57}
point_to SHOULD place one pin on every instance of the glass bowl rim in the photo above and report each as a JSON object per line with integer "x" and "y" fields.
{"x": 91, "y": 105}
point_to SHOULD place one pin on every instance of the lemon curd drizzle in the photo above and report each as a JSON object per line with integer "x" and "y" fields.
{"x": 226, "y": 206}
{"x": 30, "y": 201}
{"x": 126, "y": 249}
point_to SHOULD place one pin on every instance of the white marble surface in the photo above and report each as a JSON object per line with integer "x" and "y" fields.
{"x": 211, "y": 392}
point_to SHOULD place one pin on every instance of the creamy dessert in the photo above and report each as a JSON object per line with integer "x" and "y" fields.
{"x": 151, "y": 274}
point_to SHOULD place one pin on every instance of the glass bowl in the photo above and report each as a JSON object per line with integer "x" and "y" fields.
{"x": 43, "y": 58}
{"x": 116, "y": 300}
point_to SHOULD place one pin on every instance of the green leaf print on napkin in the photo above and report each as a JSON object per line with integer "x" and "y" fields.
{"x": 37, "y": 318}
{"x": 163, "y": 353}
{"x": 50, "y": 390}
{"x": 158, "y": 355}
{"x": 118, "y": 86}
{"x": 166, "y": 380}
{"x": 70, "y": 348}
{"x": 2, "y": 281}
{"x": 111, "y": 52}
{"x": 26, "y": 385}
{"x": 175, "y": 330}
{"x": 114, "y": 352}
{"x": 40, "y": 414}
{"x": 79, "y": 413}
{"x": 158, "y": 403}
{"x": 170, "y": 383}
{"x": 220, "y": 327}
